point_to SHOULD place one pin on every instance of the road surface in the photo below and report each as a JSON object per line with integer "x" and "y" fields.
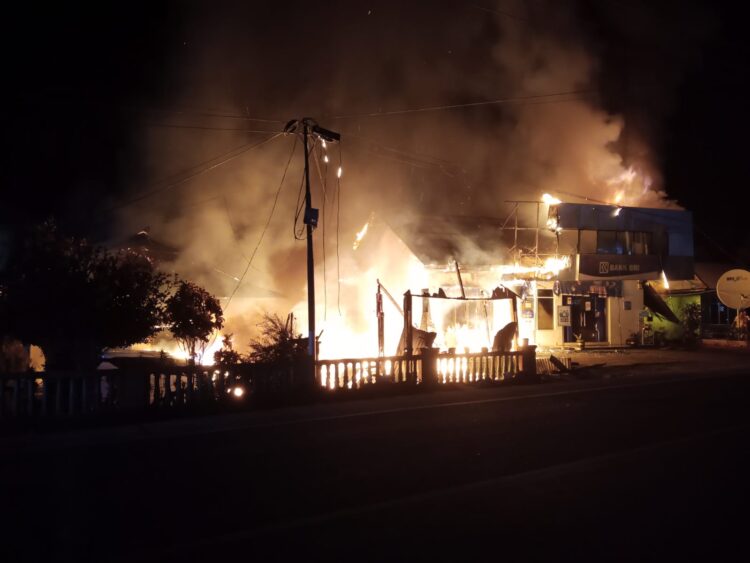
{"x": 630, "y": 468}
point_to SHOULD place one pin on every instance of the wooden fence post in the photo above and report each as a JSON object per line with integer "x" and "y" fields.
{"x": 528, "y": 364}
{"x": 429, "y": 366}
{"x": 408, "y": 337}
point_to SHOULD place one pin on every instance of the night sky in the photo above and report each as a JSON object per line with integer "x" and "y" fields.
{"x": 82, "y": 83}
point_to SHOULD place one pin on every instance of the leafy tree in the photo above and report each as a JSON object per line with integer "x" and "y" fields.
{"x": 192, "y": 315}
{"x": 227, "y": 355}
{"x": 277, "y": 343}
{"x": 74, "y": 299}
{"x": 690, "y": 319}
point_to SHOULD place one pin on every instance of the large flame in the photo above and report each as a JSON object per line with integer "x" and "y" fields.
{"x": 173, "y": 350}
{"x": 552, "y": 266}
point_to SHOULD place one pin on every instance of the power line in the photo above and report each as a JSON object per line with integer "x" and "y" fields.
{"x": 427, "y": 158}
{"x": 324, "y": 183}
{"x": 468, "y": 105}
{"x": 237, "y": 152}
{"x": 232, "y": 227}
{"x": 208, "y": 128}
{"x": 29, "y": 100}
{"x": 338, "y": 223}
{"x": 500, "y": 13}
{"x": 202, "y": 113}
{"x": 719, "y": 247}
{"x": 403, "y": 156}
{"x": 315, "y": 154}
{"x": 298, "y": 210}
{"x": 265, "y": 229}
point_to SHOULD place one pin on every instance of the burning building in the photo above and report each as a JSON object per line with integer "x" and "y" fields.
{"x": 564, "y": 272}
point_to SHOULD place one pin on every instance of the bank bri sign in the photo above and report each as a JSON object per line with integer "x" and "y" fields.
{"x": 616, "y": 266}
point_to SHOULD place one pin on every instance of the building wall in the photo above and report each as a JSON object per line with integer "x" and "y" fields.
{"x": 622, "y": 317}
{"x": 623, "y": 312}
{"x": 552, "y": 337}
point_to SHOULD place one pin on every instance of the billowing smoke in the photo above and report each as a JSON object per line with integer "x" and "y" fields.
{"x": 354, "y": 66}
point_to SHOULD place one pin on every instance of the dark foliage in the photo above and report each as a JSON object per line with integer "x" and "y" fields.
{"x": 227, "y": 355}
{"x": 74, "y": 299}
{"x": 277, "y": 344}
{"x": 691, "y": 323}
{"x": 192, "y": 315}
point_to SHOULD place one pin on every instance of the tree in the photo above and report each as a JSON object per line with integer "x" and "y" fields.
{"x": 227, "y": 355}
{"x": 75, "y": 299}
{"x": 691, "y": 323}
{"x": 277, "y": 343}
{"x": 192, "y": 315}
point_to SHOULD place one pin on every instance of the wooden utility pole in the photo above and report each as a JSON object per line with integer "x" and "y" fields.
{"x": 310, "y": 127}
{"x": 311, "y": 220}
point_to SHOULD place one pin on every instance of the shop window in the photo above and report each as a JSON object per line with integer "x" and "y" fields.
{"x": 545, "y": 309}
{"x": 587, "y": 244}
{"x": 624, "y": 242}
{"x": 642, "y": 243}
{"x": 568, "y": 241}
{"x": 606, "y": 242}
{"x": 660, "y": 244}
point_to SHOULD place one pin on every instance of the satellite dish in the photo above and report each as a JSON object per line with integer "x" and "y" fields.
{"x": 733, "y": 289}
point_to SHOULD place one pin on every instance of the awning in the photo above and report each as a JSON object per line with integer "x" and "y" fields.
{"x": 653, "y": 301}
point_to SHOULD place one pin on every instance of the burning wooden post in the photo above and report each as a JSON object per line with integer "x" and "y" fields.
{"x": 460, "y": 281}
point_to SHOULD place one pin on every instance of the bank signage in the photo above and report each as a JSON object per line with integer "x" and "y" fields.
{"x": 616, "y": 266}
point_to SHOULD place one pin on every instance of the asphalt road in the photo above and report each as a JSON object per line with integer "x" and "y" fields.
{"x": 650, "y": 468}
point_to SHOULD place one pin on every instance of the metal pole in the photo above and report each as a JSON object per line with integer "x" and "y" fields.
{"x": 311, "y": 344}
{"x": 381, "y": 322}
{"x": 536, "y": 240}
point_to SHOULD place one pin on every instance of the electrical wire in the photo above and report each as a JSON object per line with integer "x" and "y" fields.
{"x": 298, "y": 235}
{"x": 423, "y": 157}
{"x": 500, "y": 13}
{"x": 719, "y": 247}
{"x": 202, "y": 113}
{"x": 237, "y": 152}
{"x": 232, "y": 227}
{"x": 197, "y": 112}
{"x": 208, "y": 128}
{"x": 323, "y": 180}
{"x": 468, "y": 104}
{"x": 260, "y": 239}
{"x": 338, "y": 222}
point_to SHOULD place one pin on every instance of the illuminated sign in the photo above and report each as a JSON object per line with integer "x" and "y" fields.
{"x": 616, "y": 266}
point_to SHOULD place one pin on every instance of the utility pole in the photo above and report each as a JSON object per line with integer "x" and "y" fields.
{"x": 309, "y": 126}
{"x": 311, "y": 221}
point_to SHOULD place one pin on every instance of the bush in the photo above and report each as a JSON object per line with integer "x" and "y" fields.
{"x": 690, "y": 317}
